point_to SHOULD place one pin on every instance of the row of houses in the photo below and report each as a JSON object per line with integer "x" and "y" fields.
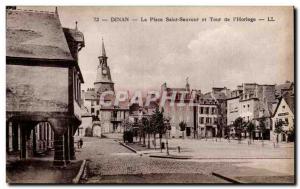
{"x": 216, "y": 111}
{"x": 211, "y": 114}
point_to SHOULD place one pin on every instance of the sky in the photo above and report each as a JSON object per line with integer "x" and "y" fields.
{"x": 144, "y": 55}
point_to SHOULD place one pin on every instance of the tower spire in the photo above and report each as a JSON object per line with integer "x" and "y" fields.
{"x": 103, "y": 49}
{"x": 76, "y": 25}
{"x": 56, "y": 11}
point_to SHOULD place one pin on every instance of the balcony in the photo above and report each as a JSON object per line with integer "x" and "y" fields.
{"x": 115, "y": 119}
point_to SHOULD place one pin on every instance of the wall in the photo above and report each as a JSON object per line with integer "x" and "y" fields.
{"x": 233, "y": 110}
{"x": 178, "y": 114}
{"x": 284, "y": 113}
{"x": 105, "y": 118}
{"x": 31, "y": 88}
{"x": 85, "y": 123}
{"x": 249, "y": 109}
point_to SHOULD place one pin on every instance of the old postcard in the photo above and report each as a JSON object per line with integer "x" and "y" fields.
{"x": 150, "y": 95}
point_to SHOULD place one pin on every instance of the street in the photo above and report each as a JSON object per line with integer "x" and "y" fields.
{"x": 109, "y": 162}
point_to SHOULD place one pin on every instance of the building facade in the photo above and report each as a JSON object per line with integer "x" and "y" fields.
{"x": 283, "y": 113}
{"x": 106, "y": 119}
{"x": 253, "y": 103}
{"x": 207, "y": 118}
{"x": 177, "y": 108}
{"x": 40, "y": 52}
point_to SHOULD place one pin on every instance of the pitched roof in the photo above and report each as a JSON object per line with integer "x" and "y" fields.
{"x": 35, "y": 34}
{"x": 279, "y": 103}
{"x": 283, "y": 87}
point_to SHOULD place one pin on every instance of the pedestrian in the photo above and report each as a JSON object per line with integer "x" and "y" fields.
{"x": 80, "y": 142}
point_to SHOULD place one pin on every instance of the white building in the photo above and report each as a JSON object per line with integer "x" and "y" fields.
{"x": 282, "y": 113}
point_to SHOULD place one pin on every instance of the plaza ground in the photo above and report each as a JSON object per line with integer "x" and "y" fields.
{"x": 110, "y": 162}
{"x": 207, "y": 161}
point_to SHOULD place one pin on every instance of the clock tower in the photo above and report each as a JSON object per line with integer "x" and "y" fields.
{"x": 103, "y": 81}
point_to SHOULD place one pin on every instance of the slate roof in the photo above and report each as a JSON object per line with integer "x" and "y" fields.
{"x": 90, "y": 95}
{"x": 283, "y": 87}
{"x": 35, "y": 34}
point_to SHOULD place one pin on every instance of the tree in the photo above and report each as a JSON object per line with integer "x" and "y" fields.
{"x": 128, "y": 131}
{"x": 278, "y": 129}
{"x": 182, "y": 126}
{"x": 238, "y": 127}
{"x": 142, "y": 129}
{"x": 157, "y": 122}
{"x": 147, "y": 129}
{"x": 262, "y": 129}
{"x": 291, "y": 134}
{"x": 250, "y": 127}
{"x": 127, "y": 125}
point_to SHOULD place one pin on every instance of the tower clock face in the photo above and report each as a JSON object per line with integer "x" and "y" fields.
{"x": 104, "y": 72}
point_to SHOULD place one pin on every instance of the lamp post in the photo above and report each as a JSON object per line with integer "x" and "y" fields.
{"x": 168, "y": 128}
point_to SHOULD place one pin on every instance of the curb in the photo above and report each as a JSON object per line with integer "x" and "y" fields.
{"x": 235, "y": 181}
{"x": 126, "y": 146}
{"x": 80, "y": 172}
{"x": 170, "y": 157}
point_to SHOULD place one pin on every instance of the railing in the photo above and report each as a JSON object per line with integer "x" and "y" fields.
{"x": 116, "y": 119}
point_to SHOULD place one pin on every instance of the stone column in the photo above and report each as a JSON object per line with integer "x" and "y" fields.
{"x": 19, "y": 137}
{"x": 72, "y": 149}
{"x": 23, "y": 142}
{"x": 15, "y": 136}
{"x": 59, "y": 154}
{"x": 7, "y": 136}
{"x": 61, "y": 141}
{"x": 67, "y": 145}
{"x": 34, "y": 141}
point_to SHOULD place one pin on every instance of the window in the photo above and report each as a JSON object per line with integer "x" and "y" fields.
{"x": 213, "y": 110}
{"x": 248, "y": 105}
{"x": 201, "y": 120}
{"x": 201, "y": 110}
{"x": 92, "y": 110}
{"x": 97, "y": 112}
{"x": 207, "y": 110}
{"x": 283, "y": 107}
{"x": 207, "y": 120}
{"x": 286, "y": 121}
{"x": 215, "y": 120}
{"x": 76, "y": 87}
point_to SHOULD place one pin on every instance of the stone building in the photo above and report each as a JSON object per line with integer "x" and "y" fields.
{"x": 43, "y": 81}
{"x": 108, "y": 117}
{"x": 211, "y": 113}
{"x": 178, "y": 108}
{"x": 252, "y": 102}
{"x": 86, "y": 121}
{"x": 283, "y": 113}
{"x": 207, "y": 116}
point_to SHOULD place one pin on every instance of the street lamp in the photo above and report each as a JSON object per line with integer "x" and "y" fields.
{"x": 168, "y": 128}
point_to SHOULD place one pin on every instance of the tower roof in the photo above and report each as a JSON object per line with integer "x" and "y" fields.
{"x": 103, "y": 49}
{"x": 36, "y": 34}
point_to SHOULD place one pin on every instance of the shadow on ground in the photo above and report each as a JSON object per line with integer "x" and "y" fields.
{"x": 31, "y": 172}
